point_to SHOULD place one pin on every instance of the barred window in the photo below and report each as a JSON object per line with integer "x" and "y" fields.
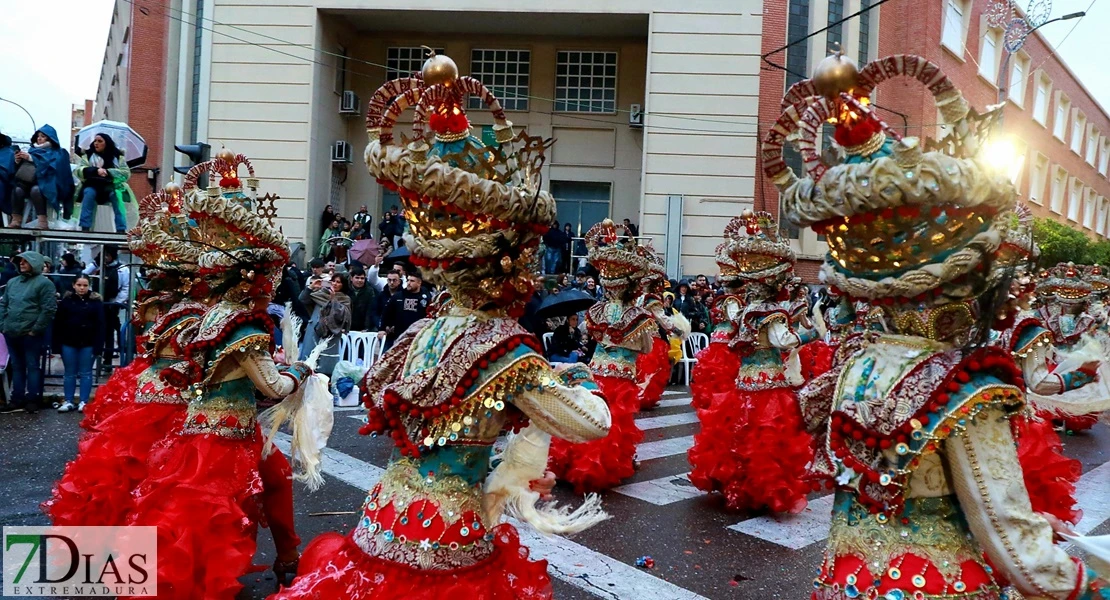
{"x": 586, "y": 81}
{"x": 864, "y": 33}
{"x": 405, "y": 61}
{"x": 506, "y": 73}
{"x": 797, "y": 55}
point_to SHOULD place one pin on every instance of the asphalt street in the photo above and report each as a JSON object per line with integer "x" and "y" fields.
{"x": 699, "y": 550}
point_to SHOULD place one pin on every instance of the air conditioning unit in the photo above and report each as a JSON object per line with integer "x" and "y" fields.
{"x": 635, "y": 116}
{"x": 348, "y": 104}
{"x": 341, "y": 152}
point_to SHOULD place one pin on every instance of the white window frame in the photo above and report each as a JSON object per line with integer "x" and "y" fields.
{"x": 1059, "y": 190}
{"x": 988, "y": 65}
{"x": 1104, "y": 156}
{"x": 1102, "y": 210}
{"x": 516, "y": 67}
{"x": 403, "y": 61}
{"x": 1091, "y": 148}
{"x": 1038, "y": 178}
{"x": 1075, "y": 199}
{"x": 569, "y": 87}
{"x": 1042, "y": 93}
{"x": 1089, "y": 208}
{"x": 955, "y": 14}
{"x": 1021, "y": 153}
{"x": 1060, "y": 117}
{"x": 1078, "y": 128}
{"x": 1019, "y": 77}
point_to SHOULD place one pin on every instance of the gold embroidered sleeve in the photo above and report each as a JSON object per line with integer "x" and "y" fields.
{"x": 571, "y": 412}
{"x": 260, "y": 368}
{"x": 988, "y": 481}
{"x": 1038, "y": 377}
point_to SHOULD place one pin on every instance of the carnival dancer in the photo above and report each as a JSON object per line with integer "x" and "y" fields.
{"x": 96, "y": 487}
{"x": 431, "y": 527}
{"x": 654, "y": 368}
{"x": 916, "y": 425}
{"x": 1065, "y": 296}
{"x": 204, "y": 488}
{"x": 752, "y": 447}
{"x": 717, "y": 366}
{"x": 623, "y": 332}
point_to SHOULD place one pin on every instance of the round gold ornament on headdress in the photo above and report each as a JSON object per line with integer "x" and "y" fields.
{"x": 836, "y": 74}
{"x": 439, "y": 69}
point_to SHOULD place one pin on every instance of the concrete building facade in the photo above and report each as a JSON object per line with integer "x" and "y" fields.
{"x": 267, "y": 79}
{"x": 80, "y": 116}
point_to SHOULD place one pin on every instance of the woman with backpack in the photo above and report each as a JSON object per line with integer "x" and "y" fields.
{"x": 103, "y": 174}
{"x": 78, "y": 337}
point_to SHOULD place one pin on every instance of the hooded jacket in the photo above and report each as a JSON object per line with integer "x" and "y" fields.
{"x": 79, "y": 322}
{"x": 119, "y": 173}
{"x": 29, "y": 301}
{"x": 53, "y": 172}
{"x": 7, "y": 173}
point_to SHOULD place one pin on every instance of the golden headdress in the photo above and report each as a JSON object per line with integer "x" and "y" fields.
{"x": 618, "y": 262}
{"x": 475, "y": 213}
{"x": 755, "y": 251}
{"x": 900, "y": 219}
{"x": 161, "y": 239}
{"x": 1064, "y": 284}
{"x": 656, "y": 267}
{"x": 232, "y": 226}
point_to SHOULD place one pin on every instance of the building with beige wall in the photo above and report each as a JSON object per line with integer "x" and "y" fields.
{"x": 266, "y": 78}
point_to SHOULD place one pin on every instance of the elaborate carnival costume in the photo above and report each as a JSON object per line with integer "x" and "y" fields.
{"x": 916, "y": 425}
{"x": 1066, "y": 294}
{"x": 204, "y": 488}
{"x": 717, "y": 366}
{"x": 752, "y": 447}
{"x": 654, "y": 367}
{"x": 623, "y": 332}
{"x": 134, "y": 408}
{"x": 431, "y": 527}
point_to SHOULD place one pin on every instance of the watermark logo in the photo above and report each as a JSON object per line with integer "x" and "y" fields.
{"x": 80, "y": 561}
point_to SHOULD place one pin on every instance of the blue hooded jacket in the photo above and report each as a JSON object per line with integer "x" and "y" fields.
{"x": 53, "y": 172}
{"x": 7, "y": 173}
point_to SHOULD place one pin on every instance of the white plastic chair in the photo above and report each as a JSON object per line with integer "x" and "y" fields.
{"x": 547, "y": 342}
{"x": 691, "y": 346}
{"x": 358, "y": 345}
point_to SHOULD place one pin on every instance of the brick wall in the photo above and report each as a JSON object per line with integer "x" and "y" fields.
{"x": 147, "y": 66}
{"x": 920, "y": 33}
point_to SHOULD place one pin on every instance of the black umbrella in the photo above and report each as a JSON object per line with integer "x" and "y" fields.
{"x": 567, "y": 302}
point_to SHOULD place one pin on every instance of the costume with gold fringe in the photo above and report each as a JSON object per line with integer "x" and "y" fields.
{"x": 96, "y": 488}
{"x": 752, "y": 447}
{"x": 624, "y": 332}
{"x": 432, "y": 526}
{"x": 207, "y": 487}
{"x": 654, "y": 367}
{"x": 915, "y": 425}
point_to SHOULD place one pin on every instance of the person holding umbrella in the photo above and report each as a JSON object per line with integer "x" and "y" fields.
{"x": 103, "y": 175}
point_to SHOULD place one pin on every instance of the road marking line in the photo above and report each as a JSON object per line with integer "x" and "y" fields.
{"x": 664, "y": 448}
{"x": 674, "y": 402}
{"x": 675, "y": 393}
{"x": 1093, "y": 494}
{"x": 348, "y": 408}
{"x": 574, "y": 563}
{"x": 685, "y": 418}
{"x": 662, "y": 491}
{"x": 793, "y": 531}
{"x": 798, "y": 531}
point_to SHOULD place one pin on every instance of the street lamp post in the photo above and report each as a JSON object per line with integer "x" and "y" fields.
{"x": 1003, "y": 71}
{"x": 25, "y": 111}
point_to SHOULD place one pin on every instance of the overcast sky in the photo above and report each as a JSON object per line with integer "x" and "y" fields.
{"x": 56, "y": 47}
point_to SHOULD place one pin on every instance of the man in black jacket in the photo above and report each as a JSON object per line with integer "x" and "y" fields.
{"x": 404, "y": 308}
{"x": 363, "y": 300}
{"x": 392, "y": 288}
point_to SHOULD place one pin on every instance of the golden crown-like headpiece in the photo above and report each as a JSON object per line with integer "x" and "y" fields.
{"x": 475, "y": 212}
{"x": 618, "y": 261}
{"x": 900, "y": 220}
{"x": 754, "y": 251}
{"x": 162, "y": 237}
{"x": 1064, "y": 283}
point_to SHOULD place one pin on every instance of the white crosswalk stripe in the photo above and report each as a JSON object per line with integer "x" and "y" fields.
{"x": 664, "y": 448}
{"x": 684, "y": 418}
{"x": 673, "y": 402}
{"x": 662, "y": 491}
{"x": 572, "y": 562}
